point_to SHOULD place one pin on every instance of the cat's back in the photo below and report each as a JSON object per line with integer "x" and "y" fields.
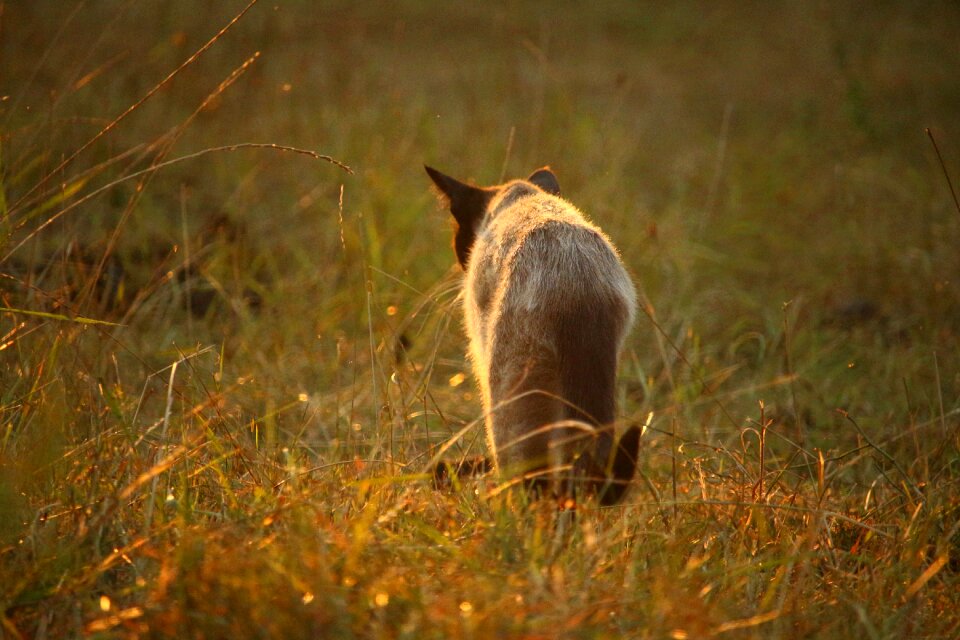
{"x": 539, "y": 251}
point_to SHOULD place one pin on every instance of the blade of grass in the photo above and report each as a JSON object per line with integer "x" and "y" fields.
{"x": 943, "y": 166}
{"x": 61, "y": 317}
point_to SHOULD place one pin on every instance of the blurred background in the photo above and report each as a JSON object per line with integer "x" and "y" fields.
{"x": 763, "y": 168}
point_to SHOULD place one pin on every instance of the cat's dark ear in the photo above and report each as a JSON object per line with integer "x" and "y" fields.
{"x": 468, "y": 204}
{"x": 545, "y": 179}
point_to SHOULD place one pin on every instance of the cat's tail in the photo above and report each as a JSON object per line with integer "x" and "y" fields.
{"x": 613, "y": 478}
{"x": 620, "y": 468}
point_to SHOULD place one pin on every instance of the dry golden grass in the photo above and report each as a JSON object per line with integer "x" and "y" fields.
{"x": 226, "y": 362}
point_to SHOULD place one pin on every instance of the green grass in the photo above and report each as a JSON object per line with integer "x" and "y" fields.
{"x": 206, "y": 429}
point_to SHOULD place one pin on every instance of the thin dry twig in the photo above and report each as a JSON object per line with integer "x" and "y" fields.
{"x": 943, "y": 166}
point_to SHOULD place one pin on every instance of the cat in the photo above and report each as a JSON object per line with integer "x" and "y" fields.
{"x": 547, "y": 305}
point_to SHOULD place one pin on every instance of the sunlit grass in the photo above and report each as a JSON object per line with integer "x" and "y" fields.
{"x": 227, "y": 365}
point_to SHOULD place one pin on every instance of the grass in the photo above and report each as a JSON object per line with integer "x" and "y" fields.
{"x": 223, "y": 373}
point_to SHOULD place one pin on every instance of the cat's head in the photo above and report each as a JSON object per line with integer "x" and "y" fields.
{"x": 469, "y": 204}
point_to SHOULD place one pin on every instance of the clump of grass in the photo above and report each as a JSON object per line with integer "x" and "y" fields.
{"x": 223, "y": 376}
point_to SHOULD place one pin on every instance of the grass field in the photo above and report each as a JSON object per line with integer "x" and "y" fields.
{"x": 225, "y": 367}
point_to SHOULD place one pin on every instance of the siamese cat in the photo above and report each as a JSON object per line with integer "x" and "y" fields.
{"x": 547, "y": 305}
